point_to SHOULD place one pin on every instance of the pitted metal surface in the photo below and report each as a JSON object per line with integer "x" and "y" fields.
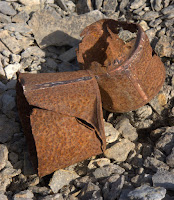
{"x": 61, "y": 114}
{"x": 129, "y": 74}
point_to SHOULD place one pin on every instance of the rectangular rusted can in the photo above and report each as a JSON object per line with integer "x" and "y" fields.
{"x": 61, "y": 115}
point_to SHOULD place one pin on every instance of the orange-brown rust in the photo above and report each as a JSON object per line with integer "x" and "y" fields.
{"x": 61, "y": 114}
{"x": 128, "y": 74}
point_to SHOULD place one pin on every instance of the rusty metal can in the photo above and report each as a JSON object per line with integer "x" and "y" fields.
{"x": 62, "y": 118}
{"x": 129, "y": 73}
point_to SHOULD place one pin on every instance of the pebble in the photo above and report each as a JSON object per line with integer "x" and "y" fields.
{"x": 145, "y": 192}
{"x": 11, "y": 69}
{"x": 148, "y": 16}
{"x": 151, "y": 33}
{"x": 100, "y": 162}
{"x": 61, "y": 178}
{"x": 137, "y": 3}
{"x": 127, "y": 130}
{"x": 168, "y": 10}
{"x": 110, "y": 132}
{"x": 120, "y": 150}
{"x": 144, "y": 25}
{"x": 23, "y": 195}
{"x": 6, "y": 8}
{"x": 156, "y": 5}
{"x": 164, "y": 179}
{"x": 109, "y": 5}
{"x": 3, "y": 156}
{"x": 155, "y": 23}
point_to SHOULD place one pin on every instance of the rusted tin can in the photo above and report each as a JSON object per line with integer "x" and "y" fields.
{"x": 62, "y": 118}
{"x": 129, "y": 74}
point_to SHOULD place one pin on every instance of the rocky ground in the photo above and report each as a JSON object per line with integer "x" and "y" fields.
{"x": 41, "y": 36}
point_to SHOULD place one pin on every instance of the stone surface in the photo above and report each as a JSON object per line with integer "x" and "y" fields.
{"x": 164, "y": 179}
{"x": 23, "y": 195}
{"x": 120, "y": 150}
{"x": 3, "y": 197}
{"x": 148, "y": 16}
{"x": 53, "y": 197}
{"x": 21, "y": 17}
{"x": 3, "y": 156}
{"x": 84, "y": 6}
{"x": 170, "y": 159}
{"x": 127, "y": 130}
{"x": 18, "y": 27}
{"x": 168, "y": 10}
{"x": 11, "y": 70}
{"x": 61, "y": 178}
{"x": 100, "y": 162}
{"x": 4, "y": 18}
{"x": 110, "y": 132}
{"x": 68, "y": 55}
{"x": 136, "y": 4}
{"x": 146, "y": 192}
{"x": 33, "y": 51}
{"x": 6, "y": 8}
{"x": 49, "y": 31}
{"x": 29, "y": 2}
{"x": 109, "y": 5}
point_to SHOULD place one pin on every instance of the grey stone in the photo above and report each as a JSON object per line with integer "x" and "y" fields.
{"x": 3, "y": 156}
{"x": 154, "y": 164}
{"x": 126, "y": 35}
{"x": 51, "y": 63}
{"x": 2, "y": 73}
{"x": 156, "y": 134}
{"x": 170, "y": 159}
{"x": 137, "y": 161}
{"x": 7, "y": 128}
{"x": 15, "y": 58}
{"x": 3, "y": 197}
{"x": 120, "y": 150}
{"x": 4, "y": 18}
{"x": 113, "y": 186}
{"x": 144, "y": 25}
{"x": 61, "y": 4}
{"x": 29, "y": 2}
{"x": 2, "y": 87}
{"x": 100, "y": 162}
{"x": 124, "y": 194}
{"x": 110, "y": 132}
{"x": 21, "y": 17}
{"x": 164, "y": 179}
{"x": 11, "y": 70}
{"x": 140, "y": 179}
{"x": 123, "y": 5}
{"x": 159, "y": 155}
{"x": 33, "y": 51}
{"x": 61, "y": 178}
{"x": 146, "y": 123}
{"x": 146, "y": 192}
{"x": 127, "y": 130}
{"x": 155, "y": 23}
{"x": 66, "y": 67}
{"x": 18, "y": 27}
{"x": 48, "y": 30}
{"x": 6, "y": 8}
{"x": 166, "y": 141}
{"x": 166, "y": 3}
{"x": 156, "y": 5}
{"x": 24, "y": 195}
{"x": 98, "y": 4}
{"x": 168, "y": 10}
{"x": 13, "y": 157}
{"x": 109, "y": 5}
{"x": 12, "y": 44}
{"x": 6, "y": 53}
{"x": 107, "y": 171}
{"x": 68, "y": 55}
{"x": 71, "y": 6}
{"x": 82, "y": 181}
{"x": 53, "y": 197}
{"x": 136, "y": 4}
{"x": 43, "y": 191}
{"x": 148, "y": 16}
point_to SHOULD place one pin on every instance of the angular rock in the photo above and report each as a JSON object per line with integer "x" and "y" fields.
{"x": 68, "y": 55}
{"x": 98, "y": 4}
{"x": 155, "y": 23}
{"x": 137, "y": 3}
{"x": 33, "y": 51}
{"x": 109, "y": 5}
{"x": 3, "y": 197}
{"x": 170, "y": 159}
{"x": 11, "y": 70}
{"x": 154, "y": 164}
{"x": 21, "y": 17}
{"x": 84, "y": 6}
{"x": 8, "y": 103}
{"x": 3, "y": 156}
{"x": 107, "y": 171}
{"x": 10, "y": 42}
{"x": 67, "y": 67}
{"x": 144, "y": 112}
{"x": 23, "y": 195}
{"x": 82, "y": 181}
{"x": 110, "y": 132}
{"x": 113, "y": 187}
{"x": 48, "y": 30}
{"x": 164, "y": 179}
{"x": 29, "y": 2}
{"x": 4, "y": 18}
{"x": 61, "y": 178}
{"x": 53, "y": 197}
{"x": 15, "y": 58}
{"x": 148, "y": 16}
{"x": 151, "y": 33}
{"x": 120, "y": 150}
{"x": 61, "y": 4}
{"x": 2, "y": 46}
{"x": 168, "y": 10}
{"x": 144, "y": 25}
{"x": 18, "y": 27}
{"x": 100, "y": 162}
{"x": 145, "y": 192}
{"x": 6, "y": 8}
{"x": 156, "y": 5}
{"x": 2, "y": 87}
{"x": 127, "y": 130}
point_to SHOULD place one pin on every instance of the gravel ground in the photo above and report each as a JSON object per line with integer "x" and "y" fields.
{"x": 41, "y": 36}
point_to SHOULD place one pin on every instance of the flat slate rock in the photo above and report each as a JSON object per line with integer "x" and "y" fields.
{"x": 6, "y": 8}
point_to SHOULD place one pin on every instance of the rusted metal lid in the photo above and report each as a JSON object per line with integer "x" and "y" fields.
{"x": 129, "y": 73}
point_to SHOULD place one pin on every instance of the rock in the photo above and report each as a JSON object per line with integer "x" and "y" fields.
{"x": 170, "y": 159}
{"x": 51, "y": 63}
{"x": 82, "y": 181}
{"x": 120, "y": 150}
{"x": 2, "y": 87}
{"x": 155, "y": 23}
{"x": 6, "y": 53}
{"x": 109, "y": 5}
{"x": 8, "y": 103}
{"x": 140, "y": 179}
{"x": 168, "y": 10}
{"x": 10, "y": 42}
{"x": 156, "y": 5}
{"x": 143, "y": 124}
{"x": 123, "y": 5}
{"x": 15, "y": 58}
{"x": 151, "y": 33}
{"x": 3, "y": 156}
{"x": 53, "y": 197}
{"x": 7, "y": 128}
{"x": 61, "y": 178}
{"x": 4, "y": 18}
{"x": 137, "y": 161}
{"x": 43, "y": 191}
{"x": 159, "y": 155}
{"x": 98, "y": 4}
{"x": 136, "y": 4}
{"x": 148, "y": 16}
{"x": 126, "y": 35}
{"x": 156, "y": 134}
{"x": 154, "y": 164}
{"x": 21, "y": 17}
{"x": 127, "y": 130}
{"x": 11, "y": 70}
{"x": 29, "y": 2}
{"x": 61, "y": 4}
{"x": 164, "y": 179}
{"x": 163, "y": 46}
{"x": 124, "y": 194}
{"x": 6, "y": 8}
{"x": 147, "y": 150}
{"x": 71, "y": 6}
{"x": 13, "y": 157}
{"x": 33, "y": 51}
{"x": 100, "y": 162}
{"x": 145, "y": 192}
{"x": 90, "y": 191}
{"x": 84, "y": 6}
{"x": 67, "y": 67}
{"x": 144, "y": 25}
{"x": 3, "y": 197}
{"x": 113, "y": 187}
{"x": 68, "y": 55}
{"x": 23, "y": 195}
{"x": 110, "y": 132}
{"x": 107, "y": 171}
{"x": 166, "y": 141}
{"x": 18, "y": 27}
{"x": 49, "y": 31}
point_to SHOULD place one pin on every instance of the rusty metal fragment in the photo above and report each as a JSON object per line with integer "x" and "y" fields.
{"x": 61, "y": 115}
{"x": 129, "y": 74}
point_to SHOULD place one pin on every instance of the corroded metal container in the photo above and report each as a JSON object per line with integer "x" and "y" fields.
{"x": 62, "y": 118}
{"x": 129, "y": 73}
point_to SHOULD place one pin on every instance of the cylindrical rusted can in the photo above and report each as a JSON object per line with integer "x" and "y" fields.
{"x": 129, "y": 73}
